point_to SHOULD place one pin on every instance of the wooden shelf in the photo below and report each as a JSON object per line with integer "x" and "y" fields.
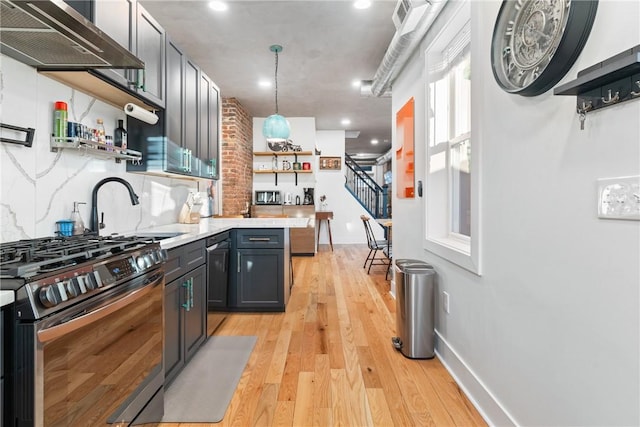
{"x": 283, "y": 153}
{"x": 282, "y": 171}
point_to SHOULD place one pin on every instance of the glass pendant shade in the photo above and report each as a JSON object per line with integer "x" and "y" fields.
{"x": 276, "y": 128}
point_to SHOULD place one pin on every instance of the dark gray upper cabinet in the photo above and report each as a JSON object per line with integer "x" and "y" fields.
{"x": 209, "y": 127}
{"x": 191, "y": 141}
{"x": 150, "y": 48}
{"x": 188, "y": 142}
{"x": 129, "y": 24}
{"x": 118, "y": 20}
{"x": 174, "y": 112}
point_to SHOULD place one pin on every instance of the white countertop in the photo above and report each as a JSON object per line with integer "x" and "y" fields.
{"x": 210, "y": 226}
{"x": 6, "y": 297}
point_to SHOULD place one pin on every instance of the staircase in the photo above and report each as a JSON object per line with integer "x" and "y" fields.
{"x": 367, "y": 192}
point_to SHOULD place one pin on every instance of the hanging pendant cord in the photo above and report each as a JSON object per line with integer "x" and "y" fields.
{"x": 276, "y": 82}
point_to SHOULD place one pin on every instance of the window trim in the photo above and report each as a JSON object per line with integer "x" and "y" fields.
{"x": 461, "y": 250}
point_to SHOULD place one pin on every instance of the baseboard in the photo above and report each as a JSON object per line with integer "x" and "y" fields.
{"x": 485, "y": 402}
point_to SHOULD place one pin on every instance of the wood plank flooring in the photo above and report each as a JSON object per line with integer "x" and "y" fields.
{"x": 328, "y": 360}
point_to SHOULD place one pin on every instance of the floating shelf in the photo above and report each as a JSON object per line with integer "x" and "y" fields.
{"x": 96, "y": 149}
{"x": 282, "y": 153}
{"x": 276, "y": 172}
{"x": 610, "y": 82}
{"x": 282, "y": 171}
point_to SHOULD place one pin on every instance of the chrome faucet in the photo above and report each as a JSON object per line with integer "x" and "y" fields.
{"x": 95, "y": 226}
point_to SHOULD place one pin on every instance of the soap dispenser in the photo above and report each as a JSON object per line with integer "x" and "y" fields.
{"x": 78, "y": 224}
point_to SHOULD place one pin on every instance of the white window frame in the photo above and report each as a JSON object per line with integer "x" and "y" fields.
{"x": 459, "y": 249}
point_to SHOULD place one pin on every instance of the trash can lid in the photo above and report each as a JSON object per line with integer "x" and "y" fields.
{"x": 425, "y": 270}
{"x": 403, "y": 263}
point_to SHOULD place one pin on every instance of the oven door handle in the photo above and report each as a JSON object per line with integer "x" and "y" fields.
{"x": 57, "y": 331}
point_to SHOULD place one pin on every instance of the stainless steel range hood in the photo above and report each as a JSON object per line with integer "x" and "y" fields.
{"x": 50, "y": 35}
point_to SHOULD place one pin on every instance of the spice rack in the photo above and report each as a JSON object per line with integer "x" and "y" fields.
{"x": 96, "y": 149}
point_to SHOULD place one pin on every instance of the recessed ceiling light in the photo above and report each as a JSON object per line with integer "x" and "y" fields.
{"x": 362, "y": 4}
{"x": 264, "y": 83}
{"x": 374, "y": 141}
{"x": 346, "y": 122}
{"x": 356, "y": 83}
{"x": 218, "y": 6}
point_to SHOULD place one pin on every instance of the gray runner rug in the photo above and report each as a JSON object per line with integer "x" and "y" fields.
{"x": 204, "y": 388}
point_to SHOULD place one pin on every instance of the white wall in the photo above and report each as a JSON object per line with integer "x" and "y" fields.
{"x": 346, "y": 226}
{"x": 38, "y": 187}
{"x": 549, "y": 334}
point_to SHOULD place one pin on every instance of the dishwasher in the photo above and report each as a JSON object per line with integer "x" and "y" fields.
{"x": 217, "y": 278}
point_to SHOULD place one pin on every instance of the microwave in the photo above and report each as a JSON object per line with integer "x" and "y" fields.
{"x": 268, "y": 198}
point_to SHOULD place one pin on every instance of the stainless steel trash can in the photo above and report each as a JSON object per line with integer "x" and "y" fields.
{"x": 415, "y": 306}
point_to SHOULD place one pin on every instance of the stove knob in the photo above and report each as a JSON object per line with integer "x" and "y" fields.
{"x": 96, "y": 275}
{"x": 161, "y": 255}
{"x": 148, "y": 260}
{"x": 141, "y": 263}
{"x": 50, "y": 295}
{"x": 73, "y": 288}
{"x": 90, "y": 282}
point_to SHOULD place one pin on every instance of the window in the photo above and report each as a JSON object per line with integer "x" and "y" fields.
{"x": 450, "y": 216}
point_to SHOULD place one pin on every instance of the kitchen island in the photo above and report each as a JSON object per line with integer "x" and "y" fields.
{"x": 187, "y": 233}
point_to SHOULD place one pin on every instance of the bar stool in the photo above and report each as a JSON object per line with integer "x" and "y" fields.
{"x": 326, "y": 216}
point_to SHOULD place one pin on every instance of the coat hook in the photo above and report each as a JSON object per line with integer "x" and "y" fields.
{"x": 610, "y": 99}
{"x": 633, "y": 93}
{"x": 586, "y": 106}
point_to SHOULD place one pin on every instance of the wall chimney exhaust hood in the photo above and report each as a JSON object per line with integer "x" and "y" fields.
{"x": 51, "y": 35}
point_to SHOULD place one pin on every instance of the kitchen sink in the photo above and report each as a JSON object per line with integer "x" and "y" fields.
{"x": 160, "y": 235}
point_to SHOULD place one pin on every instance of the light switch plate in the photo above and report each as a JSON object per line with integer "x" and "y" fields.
{"x": 619, "y": 198}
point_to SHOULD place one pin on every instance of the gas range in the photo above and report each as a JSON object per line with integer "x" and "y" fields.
{"x": 51, "y": 273}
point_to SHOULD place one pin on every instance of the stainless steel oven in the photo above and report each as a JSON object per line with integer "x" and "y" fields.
{"x": 89, "y": 341}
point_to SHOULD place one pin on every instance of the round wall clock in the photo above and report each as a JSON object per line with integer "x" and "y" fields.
{"x": 536, "y": 42}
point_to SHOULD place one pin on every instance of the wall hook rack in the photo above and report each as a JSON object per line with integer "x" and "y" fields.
{"x": 610, "y": 82}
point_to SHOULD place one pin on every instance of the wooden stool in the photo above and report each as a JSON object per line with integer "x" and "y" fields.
{"x": 325, "y": 216}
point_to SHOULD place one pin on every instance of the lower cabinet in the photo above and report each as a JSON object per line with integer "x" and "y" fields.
{"x": 257, "y": 279}
{"x": 185, "y": 313}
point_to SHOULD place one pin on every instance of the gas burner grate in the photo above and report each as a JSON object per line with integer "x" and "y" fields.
{"x": 25, "y": 258}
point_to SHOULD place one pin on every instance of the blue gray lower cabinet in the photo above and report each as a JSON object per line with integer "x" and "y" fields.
{"x": 257, "y": 270}
{"x": 185, "y": 312}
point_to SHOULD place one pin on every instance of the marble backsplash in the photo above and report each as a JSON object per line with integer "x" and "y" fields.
{"x": 38, "y": 186}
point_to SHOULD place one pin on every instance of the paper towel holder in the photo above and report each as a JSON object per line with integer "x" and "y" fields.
{"x": 140, "y": 113}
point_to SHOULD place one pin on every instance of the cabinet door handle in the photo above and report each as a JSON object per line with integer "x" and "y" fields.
{"x": 141, "y": 85}
{"x": 191, "y": 291}
{"x": 224, "y": 262}
{"x": 259, "y": 239}
{"x": 186, "y": 304}
{"x": 238, "y": 262}
{"x": 185, "y": 159}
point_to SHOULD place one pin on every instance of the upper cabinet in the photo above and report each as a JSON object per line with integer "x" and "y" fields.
{"x": 209, "y": 127}
{"x": 186, "y": 141}
{"x": 129, "y": 24}
{"x": 150, "y": 48}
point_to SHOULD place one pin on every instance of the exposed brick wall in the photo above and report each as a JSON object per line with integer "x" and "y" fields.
{"x": 237, "y": 157}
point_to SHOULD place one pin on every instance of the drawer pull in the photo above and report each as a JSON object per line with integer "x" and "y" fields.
{"x": 259, "y": 239}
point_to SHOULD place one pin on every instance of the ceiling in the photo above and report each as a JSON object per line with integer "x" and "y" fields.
{"x": 326, "y": 46}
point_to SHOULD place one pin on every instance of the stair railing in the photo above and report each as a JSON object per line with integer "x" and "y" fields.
{"x": 369, "y": 194}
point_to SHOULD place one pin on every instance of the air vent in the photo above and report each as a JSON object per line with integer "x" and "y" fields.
{"x": 404, "y": 11}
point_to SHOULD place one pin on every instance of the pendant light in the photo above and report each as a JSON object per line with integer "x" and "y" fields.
{"x": 276, "y": 128}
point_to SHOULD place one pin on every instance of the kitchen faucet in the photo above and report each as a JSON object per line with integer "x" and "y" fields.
{"x": 95, "y": 226}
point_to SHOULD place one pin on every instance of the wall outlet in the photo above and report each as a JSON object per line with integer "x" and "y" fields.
{"x": 445, "y": 301}
{"x": 619, "y": 198}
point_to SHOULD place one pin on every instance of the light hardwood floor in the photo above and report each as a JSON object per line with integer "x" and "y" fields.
{"x": 328, "y": 360}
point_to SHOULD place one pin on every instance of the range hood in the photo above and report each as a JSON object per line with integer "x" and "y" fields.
{"x": 51, "y": 35}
